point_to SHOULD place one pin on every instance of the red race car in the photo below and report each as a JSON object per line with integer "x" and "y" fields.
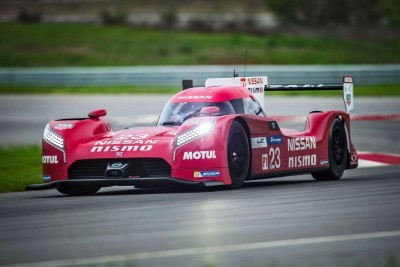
{"x": 209, "y": 136}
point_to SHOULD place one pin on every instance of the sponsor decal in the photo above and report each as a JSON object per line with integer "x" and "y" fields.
{"x": 254, "y": 80}
{"x": 255, "y": 90}
{"x": 205, "y": 154}
{"x": 274, "y": 157}
{"x": 119, "y": 154}
{"x": 275, "y": 139}
{"x": 124, "y": 142}
{"x": 174, "y": 155}
{"x": 348, "y": 79}
{"x": 302, "y": 143}
{"x": 258, "y": 142}
{"x": 63, "y": 126}
{"x": 200, "y": 174}
{"x": 251, "y": 81}
{"x": 264, "y": 160}
{"x": 196, "y": 97}
{"x": 50, "y": 159}
{"x": 348, "y": 99}
{"x": 121, "y": 148}
{"x": 253, "y": 84}
{"x": 324, "y": 162}
{"x": 272, "y": 160}
{"x": 46, "y": 178}
{"x": 273, "y": 125}
{"x": 302, "y": 161}
{"x": 354, "y": 158}
{"x": 117, "y": 165}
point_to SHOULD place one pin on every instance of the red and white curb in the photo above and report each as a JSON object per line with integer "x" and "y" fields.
{"x": 387, "y": 117}
{"x": 371, "y": 159}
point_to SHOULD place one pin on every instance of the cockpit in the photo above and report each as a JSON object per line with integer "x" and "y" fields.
{"x": 176, "y": 113}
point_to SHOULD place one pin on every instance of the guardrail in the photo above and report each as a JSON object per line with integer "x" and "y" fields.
{"x": 172, "y": 75}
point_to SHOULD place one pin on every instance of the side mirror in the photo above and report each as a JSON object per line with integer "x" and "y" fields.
{"x": 97, "y": 113}
{"x": 210, "y": 111}
{"x": 186, "y": 84}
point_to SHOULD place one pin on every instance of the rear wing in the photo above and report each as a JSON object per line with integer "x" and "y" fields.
{"x": 346, "y": 87}
{"x": 257, "y": 86}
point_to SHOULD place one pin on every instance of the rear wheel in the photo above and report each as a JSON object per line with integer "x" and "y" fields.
{"x": 338, "y": 154}
{"x": 238, "y": 155}
{"x": 82, "y": 190}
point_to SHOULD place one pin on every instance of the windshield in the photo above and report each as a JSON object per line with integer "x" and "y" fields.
{"x": 177, "y": 113}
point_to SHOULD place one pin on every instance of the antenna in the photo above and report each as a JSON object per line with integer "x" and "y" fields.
{"x": 245, "y": 64}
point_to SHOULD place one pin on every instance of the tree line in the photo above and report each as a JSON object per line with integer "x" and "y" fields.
{"x": 353, "y": 13}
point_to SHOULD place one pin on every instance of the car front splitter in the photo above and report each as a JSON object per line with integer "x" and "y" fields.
{"x": 148, "y": 182}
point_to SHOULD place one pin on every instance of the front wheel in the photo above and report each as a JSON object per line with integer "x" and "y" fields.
{"x": 82, "y": 190}
{"x": 238, "y": 155}
{"x": 338, "y": 154}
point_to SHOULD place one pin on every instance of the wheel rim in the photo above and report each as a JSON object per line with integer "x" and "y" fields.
{"x": 237, "y": 155}
{"x": 338, "y": 146}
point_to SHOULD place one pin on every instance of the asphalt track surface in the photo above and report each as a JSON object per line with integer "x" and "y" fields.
{"x": 291, "y": 221}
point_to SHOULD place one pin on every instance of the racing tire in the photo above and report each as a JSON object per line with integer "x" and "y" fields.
{"x": 338, "y": 154}
{"x": 238, "y": 155}
{"x": 82, "y": 190}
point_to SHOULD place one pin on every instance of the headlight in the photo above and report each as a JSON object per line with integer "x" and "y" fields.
{"x": 53, "y": 138}
{"x": 194, "y": 133}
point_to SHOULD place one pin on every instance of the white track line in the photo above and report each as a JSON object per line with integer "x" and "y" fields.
{"x": 211, "y": 250}
{"x": 362, "y": 163}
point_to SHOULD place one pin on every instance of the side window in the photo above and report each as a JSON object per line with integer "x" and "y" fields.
{"x": 238, "y": 105}
{"x": 251, "y": 106}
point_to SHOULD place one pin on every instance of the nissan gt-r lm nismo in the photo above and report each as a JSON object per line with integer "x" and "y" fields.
{"x": 214, "y": 135}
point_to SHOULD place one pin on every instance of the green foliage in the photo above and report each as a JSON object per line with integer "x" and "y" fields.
{"x": 391, "y": 9}
{"x": 29, "y": 45}
{"x": 28, "y": 17}
{"x": 169, "y": 19}
{"x": 110, "y": 18}
{"x": 19, "y": 166}
{"x": 340, "y": 12}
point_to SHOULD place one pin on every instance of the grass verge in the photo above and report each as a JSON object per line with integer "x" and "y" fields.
{"x": 360, "y": 90}
{"x": 19, "y": 166}
{"x": 41, "y": 44}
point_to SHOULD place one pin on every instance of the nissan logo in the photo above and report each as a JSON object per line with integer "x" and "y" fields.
{"x": 116, "y": 165}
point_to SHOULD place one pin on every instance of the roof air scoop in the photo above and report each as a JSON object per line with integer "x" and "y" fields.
{"x": 95, "y": 114}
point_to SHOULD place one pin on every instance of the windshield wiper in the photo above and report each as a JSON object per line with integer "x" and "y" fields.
{"x": 196, "y": 113}
{"x": 170, "y": 123}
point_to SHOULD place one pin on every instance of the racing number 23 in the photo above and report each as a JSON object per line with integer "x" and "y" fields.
{"x": 274, "y": 156}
